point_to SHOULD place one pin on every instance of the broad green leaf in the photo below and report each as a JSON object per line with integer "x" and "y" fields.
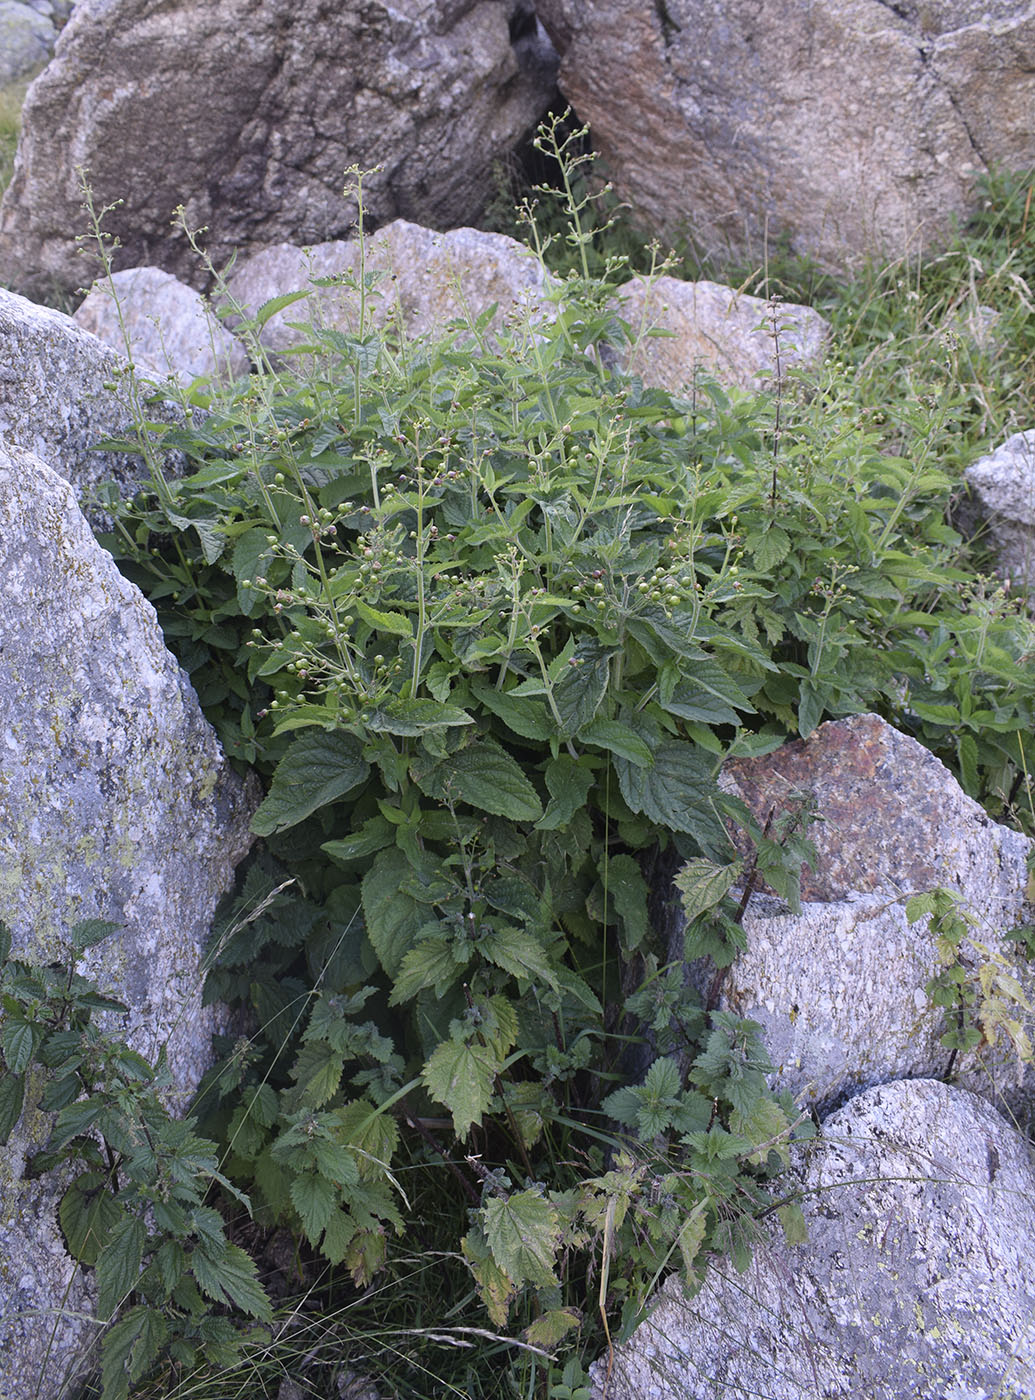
{"x": 278, "y": 303}
{"x": 396, "y": 624}
{"x": 90, "y": 931}
{"x": 523, "y": 1233}
{"x": 393, "y": 918}
{"x": 811, "y": 704}
{"x": 229, "y": 1276}
{"x": 486, "y": 777}
{"x": 618, "y": 739}
{"x": 315, "y": 1198}
{"x": 18, "y": 1041}
{"x": 568, "y": 781}
{"x": 319, "y": 767}
{"x": 769, "y": 548}
{"x": 372, "y": 1134}
{"x": 431, "y": 963}
{"x": 5, "y": 942}
{"x": 525, "y": 716}
{"x": 317, "y": 1070}
{"x": 12, "y": 1097}
{"x": 691, "y": 1237}
{"x": 677, "y": 792}
{"x": 118, "y": 1264}
{"x": 795, "y": 1230}
{"x": 129, "y": 1349}
{"x": 549, "y": 1327}
{"x": 373, "y": 836}
{"x": 88, "y": 1214}
{"x": 495, "y": 1287}
{"x": 628, "y": 891}
{"x": 518, "y": 953}
{"x": 411, "y": 717}
{"x": 582, "y": 686}
{"x": 337, "y": 1236}
{"x": 702, "y": 884}
{"x": 249, "y": 561}
{"x": 461, "y": 1076}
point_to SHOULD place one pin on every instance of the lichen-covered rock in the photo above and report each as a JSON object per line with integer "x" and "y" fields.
{"x": 1004, "y": 485}
{"x": 248, "y": 113}
{"x": 848, "y": 128}
{"x": 839, "y": 988}
{"x": 116, "y": 802}
{"x": 915, "y": 1282}
{"x": 62, "y": 391}
{"x": 730, "y": 335}
{"x": 423, "y": 280}
{"x": 26, "y": 39}
{"x": 170, "y": 330}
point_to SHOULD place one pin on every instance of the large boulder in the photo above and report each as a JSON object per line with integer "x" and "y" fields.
{"x": 249, "y": 112}
{"x": 62, "y": 391}
{"x": 1003, "y": 485}
{"x": 839, "y": 987}
{"x": 27, "y": 38}
{"x": 164, "y": 326}
{"x": 849, "y": 127}
{"x": 915, "y": 1282}
{"x": 423, "y": 280}
{"x": 116, "y": 802}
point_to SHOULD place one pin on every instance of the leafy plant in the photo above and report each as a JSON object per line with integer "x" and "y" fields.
{"x": 135, "y": 1210}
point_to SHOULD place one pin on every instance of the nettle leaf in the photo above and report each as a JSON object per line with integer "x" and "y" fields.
{"x": 372, "y": 1134}
{"x": 618, "y": 739}
{"x": 703, "y": 884}
{"x": 319, "y": 767}
{"x": 12, "y": 1097}
{"x": 582, "y": 686}
{"x": 18, "y": 1041}
{"x": 314, "y": 1198}
{"x": 568, "y": 781}
{"x": 90, "y": 931}
{"x": 523, "y": 1233}
{"x": 228, "y": 1275}
{"x": 461, "y": 1076}
{"x": 549, "y": 1327}
{"x": 393, "y": 918}
{"x": 691, "y": 1237}
{"x": 129, "y": 1348}
{"x": 373, "y": 836}
{"x": 485, "y": 776}
{"x": 432, "y": 963}
{"x": 396, "y": 624}
{"x": 628, "y": 892}
{"x": 519, "y": 954}
{"x": 677, "y": 792}
{"x": 524, "y": 715}
{"x": 88, "y": 1214}
{"x": 795, "y": 1229}
{"x": 495, "y": 1287}
{"x": 118, "y": 1264}
{"x": 412, "y": 717}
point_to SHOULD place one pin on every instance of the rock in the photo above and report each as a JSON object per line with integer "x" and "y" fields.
{"x": 40, "y": 349}
{"x": 839, "y": 988}
{"x": 726, "y": 333}
{"x": 26, "y": 40}
{"x": 425, "y": 280}
{"x": 170, "y": 329}
{"x": 915, "y": 1282}
{"x": 116, "y": 802}
{"x": 1004, "y": 486}
{"x": 247, "y": 113}
{"x": 846, "y": 128}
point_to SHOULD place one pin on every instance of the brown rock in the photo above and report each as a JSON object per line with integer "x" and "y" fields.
{"x": 249, "y": 112}
{"x": 848, "y": 127}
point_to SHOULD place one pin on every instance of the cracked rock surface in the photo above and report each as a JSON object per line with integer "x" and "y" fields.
{"x": 849, "y": 127}
{"x": 249, "y": 112}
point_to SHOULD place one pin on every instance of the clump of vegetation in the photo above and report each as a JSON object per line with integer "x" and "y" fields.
{"x": 487, "y": 616}
{"x": 11, "y": 99}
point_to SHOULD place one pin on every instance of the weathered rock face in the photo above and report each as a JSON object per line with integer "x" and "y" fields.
{"x": 249, "y": 112}
{"x": 26, "y": 39}
{"x": 730, "y": 335}
{"x": 425, "y": 281}
{"x": 849, "y": 127}
{"x": 171, "y": 332}
{"x": 839, "y": 988}
{"x": 1004, "y": 485}
{"x": 915, "y": 1282}
{"x": 116, "y": 802}
{"x": 42, "y": 349}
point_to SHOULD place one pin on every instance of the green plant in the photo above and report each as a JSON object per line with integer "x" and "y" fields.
{"x": 135, "y": 1210}
{"x": 488, "y": 619}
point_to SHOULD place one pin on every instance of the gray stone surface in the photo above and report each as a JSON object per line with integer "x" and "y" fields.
{"x": 847, "y": 127}
{"x": 839, "y": 988}
{"x": 724, "y": 332}
{"x": 116, "y": 802}
{"x": 27, "y": 38}
{"x": 249, "y": 112}
{"x": 62, "y": 391}
{"x": 171, "y": 332}
{"x": 1003, "y": 484}
{"x": 424, "y": 281}
{"x": 915, "y": 1282}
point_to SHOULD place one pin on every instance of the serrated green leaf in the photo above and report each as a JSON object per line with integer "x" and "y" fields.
{"x": 430, "y": 964}
{"x": 88, "y": 1214}
{"x": 618, "y": 739}
{"x": 524, "y": 715}
{"x": 12, "y": 1098}
{"x": 337, "y": 1236}
{"x": 118, "y": 1264}
{"x": 495, "y": 1287}
{"x": 518, "y": 953}
{"x": 549, "y": 1327}
{"x": 90, "y": 931}
{"x": 278, "y": 303}
{"x": 129, "y": 1349}
{"x": 568, "y": 781}
{"x": 318, "y": 768}
{"x": 486, "y": 777}
{"x": 228, "y": 1275}
{"x": 677, "y": 792}
{"x": 582, "y": 686}
{"x": 393, "y": 918}
{"x": 373, "y": 836}
{"x": 691, "y": 1237}
{"x": 769, "y": 548}
{"x": 523, "y": 1232}
{"x": 314, "y": 1198}
{"x": 412, "y": 717}
{"x": 461, "y": 1076}
{"x": 702, "y": 884}
{"x": 795, "y": 1229}
{"x": 18, "y": 1041}
{"x": 395, "y": 624}
{"x": 371, "y": 1133}
{"x": 628, "y": 892}
{"x": 317, "y": 1070}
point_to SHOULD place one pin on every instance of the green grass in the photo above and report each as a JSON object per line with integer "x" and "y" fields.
{"x": 11, "y": 99}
